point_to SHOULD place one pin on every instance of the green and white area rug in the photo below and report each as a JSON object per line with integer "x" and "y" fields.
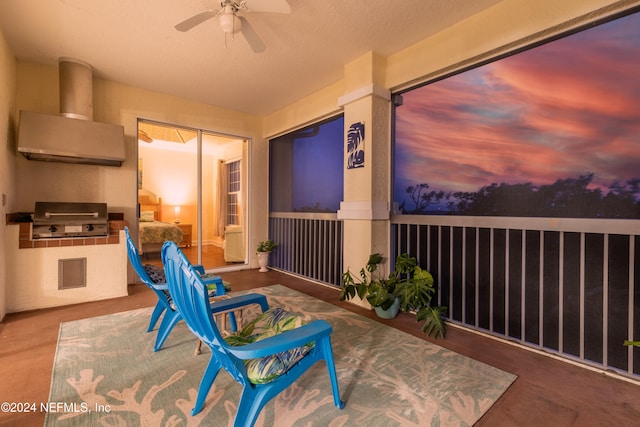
{"x": 106, "y": 373}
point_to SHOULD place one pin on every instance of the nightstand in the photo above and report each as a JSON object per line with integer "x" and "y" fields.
{"x": 186, "y": 234}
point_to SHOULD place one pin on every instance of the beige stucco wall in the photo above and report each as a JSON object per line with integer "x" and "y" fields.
{"x": 7, "y": 164}
{"x": 310, "y": 109}
{"x": 33, "y": 273}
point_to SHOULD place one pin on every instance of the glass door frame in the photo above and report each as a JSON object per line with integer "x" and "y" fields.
{"x": 245, "y": 175}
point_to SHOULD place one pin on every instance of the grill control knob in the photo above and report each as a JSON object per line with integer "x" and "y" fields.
{"x": 53, "y": 228}
{"x": 89, "y": 227}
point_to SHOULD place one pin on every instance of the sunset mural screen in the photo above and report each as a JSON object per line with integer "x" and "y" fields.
{"x": 553, "y": 131}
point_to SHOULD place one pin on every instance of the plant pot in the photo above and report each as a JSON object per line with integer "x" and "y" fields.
{"x": 389, "y": 313}
{"x": 263, "y": 260}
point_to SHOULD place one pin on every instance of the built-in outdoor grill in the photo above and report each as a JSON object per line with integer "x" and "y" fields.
{"x": 55, "y": 219}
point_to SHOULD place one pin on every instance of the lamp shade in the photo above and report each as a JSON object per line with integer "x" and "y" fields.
{"x": 176, "y": 211}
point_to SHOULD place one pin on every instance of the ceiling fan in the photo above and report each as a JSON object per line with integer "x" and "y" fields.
{"x": 232, "y": 23}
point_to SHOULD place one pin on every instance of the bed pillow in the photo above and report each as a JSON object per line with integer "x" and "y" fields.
{"x": 146, "y": 216}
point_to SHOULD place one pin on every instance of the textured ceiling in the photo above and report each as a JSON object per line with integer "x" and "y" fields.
{"x": 134, "y": 42}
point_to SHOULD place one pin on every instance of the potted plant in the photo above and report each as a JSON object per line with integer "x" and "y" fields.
{"x": 409, "y": 288}
{"x": 263, "y": 250}
{"x": 378, "y": 292}
{"x": 415, "y": 288}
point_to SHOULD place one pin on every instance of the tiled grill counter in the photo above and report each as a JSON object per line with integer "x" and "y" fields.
{"x": 34, "y": 267}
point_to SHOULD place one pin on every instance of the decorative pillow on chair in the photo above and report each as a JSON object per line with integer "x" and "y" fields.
{"x": 272, "y": 322}
{"x": 155, "y": 273}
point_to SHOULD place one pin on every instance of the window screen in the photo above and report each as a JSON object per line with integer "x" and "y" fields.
{"x": 306, "y": 168}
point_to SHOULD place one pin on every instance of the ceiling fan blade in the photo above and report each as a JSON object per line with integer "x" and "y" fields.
{"x": 197, "y": 19}
{"x": 272, "y": 6}
{"x": 143, "y": 136}
{"x": 254, "y": 40}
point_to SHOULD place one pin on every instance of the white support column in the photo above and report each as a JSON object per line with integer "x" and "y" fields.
{"x": 365, "y": 208}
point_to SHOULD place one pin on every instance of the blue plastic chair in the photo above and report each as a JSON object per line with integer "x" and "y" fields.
{"x": 190, "y": 296}
{"x": 165, "y": 303}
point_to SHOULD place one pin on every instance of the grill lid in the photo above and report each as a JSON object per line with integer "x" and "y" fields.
{"x": 70, "y": 213}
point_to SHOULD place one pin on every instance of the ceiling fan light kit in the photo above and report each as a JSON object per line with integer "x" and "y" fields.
{"x": 229, "y": 21}
{"x": 232, "y": 24}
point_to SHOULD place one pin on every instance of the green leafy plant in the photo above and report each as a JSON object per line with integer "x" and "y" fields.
{"x": 633, "y": 343}
{"x": 266, "y": 246}
{"x": 409, "y": 283}
{"x": 415, "y": 289}
{"x": 368, "y": 285}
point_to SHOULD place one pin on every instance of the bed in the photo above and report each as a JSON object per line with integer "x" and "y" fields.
{"x": 153, "y": 231}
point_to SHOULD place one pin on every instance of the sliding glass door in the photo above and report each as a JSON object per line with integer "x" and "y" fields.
{"x": 192, "y": 190}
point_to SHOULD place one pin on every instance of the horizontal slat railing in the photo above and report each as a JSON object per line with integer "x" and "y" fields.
{"x": 568, "y": 286}
{"x": 309, "y": 245}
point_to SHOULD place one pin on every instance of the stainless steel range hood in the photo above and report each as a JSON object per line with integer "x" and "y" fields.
{"x": 61, "y": 139}
{"x": 71, "y": 137}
